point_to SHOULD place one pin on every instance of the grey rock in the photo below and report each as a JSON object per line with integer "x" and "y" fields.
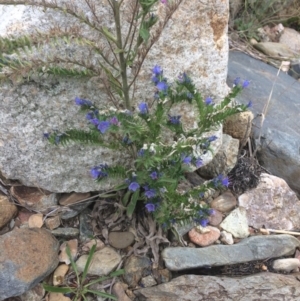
{"x": 286, "y": 264}
{"x": 136, "y": 268}
{"x": 121, "y": 240}
{"x": 74, "y": 210}
{"x": 32, "y": 108}
{"x": 85, "y": 224}
{"x": 27, "y": 256}
{"x": 263, "y": 286}
{"x": 275, "y": 50}
{"x": 253, "y": 248}
{"x": 65, "y": 232}
{"x": 278, "y": 148}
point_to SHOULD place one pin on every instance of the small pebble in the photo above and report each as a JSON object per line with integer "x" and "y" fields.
{"x": 121, "y": 240}
{"x": 204, "y": 239}
{"x": 286, "y": 264}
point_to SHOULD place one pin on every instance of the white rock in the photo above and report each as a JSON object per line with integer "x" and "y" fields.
{"x": 226, "y": 238}
{"x": 286, "y": 264}
{"x": 236, "y": 223}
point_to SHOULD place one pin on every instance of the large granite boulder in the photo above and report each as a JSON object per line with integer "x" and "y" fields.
{"x": 278, "y": 147}
{"x": 194, "y": 40}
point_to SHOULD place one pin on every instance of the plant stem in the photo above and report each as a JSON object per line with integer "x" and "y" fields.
{"x": 123, "y": 66}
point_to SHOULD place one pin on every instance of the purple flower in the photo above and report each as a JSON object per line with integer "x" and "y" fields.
{"x": 157, "y": 70}
{"x": 164, "y": 1}
{"x": 155, "y": 79}
{"x": 150, "y": 207}
{"x": 114, "y": 120}
{"x": 198, "y": 162}
{"x": 186, "y": 159}
{"x": 82, "y": 102}
{"x": 162, "y": 86}
{"x": 246, "y": 83}
{"x": 174, "y": 119}
{"x": 151, "y": 193}
{"x": 103, "y": 126}
{"x": 133, "y": 186}
{"x": 208, "y": 101}
{"x": 143, "y": 107}
{"x": 237, "y": 81}
{"x": 100, "y": 171}
{"x": 212, "y": 138}
{"x": 220, "y": 180}
{"x": 154, "y": 175}
{"x": 89, "y": 116}
{"x": 204, "y": 222}
{"x": 249, "y": 105}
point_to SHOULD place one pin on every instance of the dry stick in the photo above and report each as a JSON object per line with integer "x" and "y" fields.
{"x": 267, "y": 231}
{"x": 265, "y": 109}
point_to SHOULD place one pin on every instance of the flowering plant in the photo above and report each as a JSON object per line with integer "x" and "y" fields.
{"x": 157, "y": 168}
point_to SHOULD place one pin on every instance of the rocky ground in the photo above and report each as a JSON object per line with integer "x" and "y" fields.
{"x": 249, "y": 250}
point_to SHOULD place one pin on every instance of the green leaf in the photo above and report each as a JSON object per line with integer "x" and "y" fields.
{"x": 56, "y": 289}
{"x": 132, "y": 203}
{"x": 102, "y": 294}
{"x": 74, "y": 266}
{"x": 108, "y": 35}
{"x": 126, "y": 198}
{"x": 144, "y": 33}
{"x": 88, "y": 262}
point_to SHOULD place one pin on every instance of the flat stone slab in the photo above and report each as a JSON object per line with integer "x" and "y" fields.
{"x": 249, "y": 249}
{"x": 280, "y": 142}
{"x": 263, "y": 286}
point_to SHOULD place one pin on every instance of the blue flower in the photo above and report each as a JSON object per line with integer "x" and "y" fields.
{"x": 100, "y": 171}
{"x": 151, "y": 193}
{"x": 211, "y": 212}
{"x": 220, "y": 180}
{"x": 155, "y": 79}
{"x": 103, "y": 126}
{"x": 198, "y": 162}
{"x": 82, "y": 102}
{"x": 237, "y": 81}
{"x": 126, "y": 140}
{"x": 204, "y": 222}
{"x": 143, "y": 107}
{"x": 94, "y": 121}
{"x": 157, "y": 70}
{"x": 225, "y": 182}
{"x": 89, "y": 116}
{"x": 134, "y": 186}
{"x": 246, "y": 83}
{"x": 186, "y": 159}
{"x": 46, "y": 136}
{"x": 208, "y": 101}
{"x": 249, "y": 105}
{"x": 174, "y": 119}
{"x": 141, "y": 152}
{"x": 212, "y": 138}
{"x": 150, "y": 207}
{"x": 162, "y": 86}
{"x": 154, "y": 175}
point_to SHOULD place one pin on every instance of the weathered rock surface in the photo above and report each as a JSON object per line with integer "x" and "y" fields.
{"x": 286, "y": 264}
{"x": 34, "y": 198}
{"x": 272, "y": 204}
{"x": 27, "y": 256}
{"x": 224, "y": 203}
{"x": 7, "y": 210}
{"x": 103, "y": 262}
{"x": 252, "y": 248}
{"x": 263, "y": 286}
{"x": 236, "y": 223}
{"x": 197, "y": 31}
{"x": 121, "y": 240}
{"x": 280, "y": 141}
{"x": 206, "y": 238}
{"x": 224, "y": 160}
{"x": 291, "y": 38}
